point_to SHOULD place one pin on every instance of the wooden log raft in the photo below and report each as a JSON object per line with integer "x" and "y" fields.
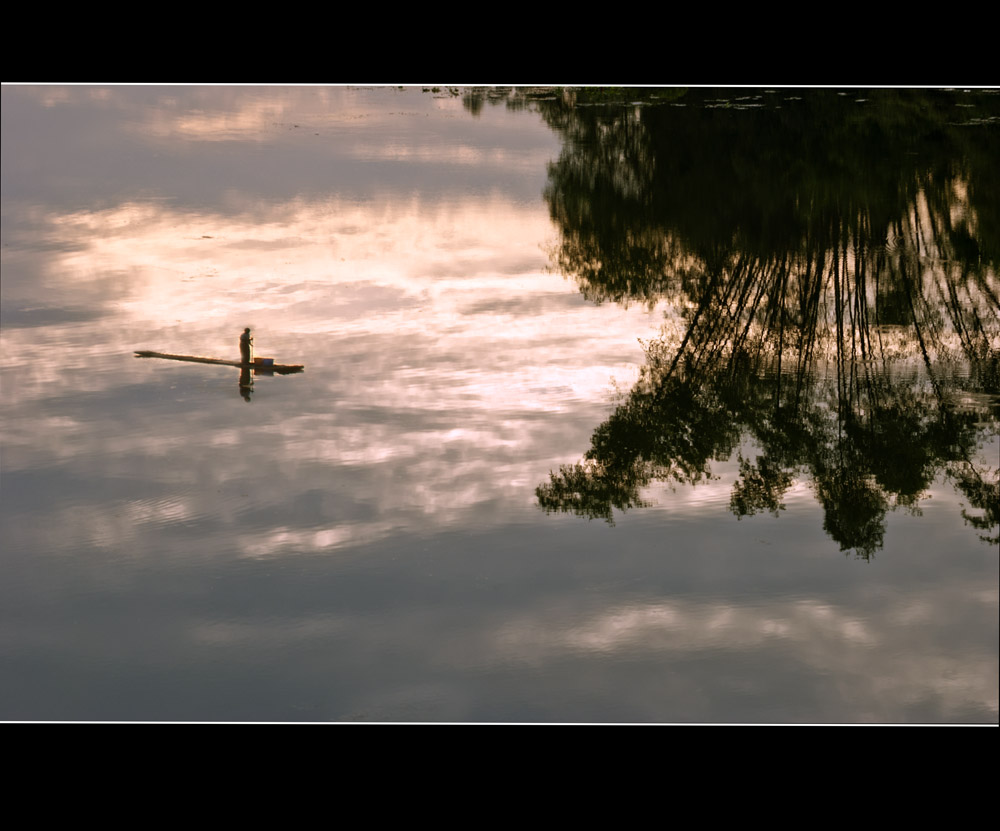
{"x": 258, "y": 364}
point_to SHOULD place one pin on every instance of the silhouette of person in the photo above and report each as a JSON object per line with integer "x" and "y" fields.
{"x": 245, "y": 343}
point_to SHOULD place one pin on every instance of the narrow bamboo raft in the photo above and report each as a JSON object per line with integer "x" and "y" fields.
{"x": 257, "y": 364}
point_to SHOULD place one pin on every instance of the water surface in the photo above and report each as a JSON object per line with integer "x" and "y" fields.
{"x": 573, "y": 443}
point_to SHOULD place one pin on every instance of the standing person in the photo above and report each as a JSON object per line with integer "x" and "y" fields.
{"x": 245, "y": 343}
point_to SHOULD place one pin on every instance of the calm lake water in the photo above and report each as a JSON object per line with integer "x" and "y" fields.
{"x": 656, "y": 406}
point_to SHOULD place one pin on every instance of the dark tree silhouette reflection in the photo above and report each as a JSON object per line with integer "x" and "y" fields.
{"x": 831, "y": 264}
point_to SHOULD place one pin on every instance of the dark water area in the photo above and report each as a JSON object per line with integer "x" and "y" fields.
{"x": 646, "y": 406}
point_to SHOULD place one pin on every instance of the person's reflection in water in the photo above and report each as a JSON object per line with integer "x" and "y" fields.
{"x": 246, "y": 382}
{"x": 245, "y": 343}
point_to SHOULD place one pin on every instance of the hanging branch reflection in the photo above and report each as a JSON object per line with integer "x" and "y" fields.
{"x": 812, "y": 253}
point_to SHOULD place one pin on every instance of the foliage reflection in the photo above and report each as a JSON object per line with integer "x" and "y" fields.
{"x": 831, "y": 259}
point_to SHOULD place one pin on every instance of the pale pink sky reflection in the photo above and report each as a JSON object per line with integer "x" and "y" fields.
{"x": 466, "y": 280}
{"x": 444, "y": 309}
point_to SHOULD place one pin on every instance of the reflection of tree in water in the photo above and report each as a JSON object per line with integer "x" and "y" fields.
{"x": 833, "y": 266}
{"x": 879, "y": 451}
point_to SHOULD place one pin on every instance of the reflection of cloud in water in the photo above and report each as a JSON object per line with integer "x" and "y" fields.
{"x": 282, "y": 541}
{"x": 684, "y": 625}
{"x": 882, "y": 648}
{"x": 335, "y": 124}
{"x": 434, "y": 341}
